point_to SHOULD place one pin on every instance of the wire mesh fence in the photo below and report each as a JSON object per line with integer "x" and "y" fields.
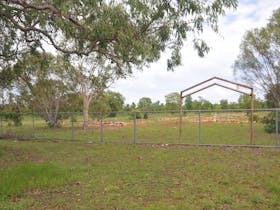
{"x": 208, "y": 127}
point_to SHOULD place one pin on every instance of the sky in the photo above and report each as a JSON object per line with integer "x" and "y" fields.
{"x": 156, "y": 82}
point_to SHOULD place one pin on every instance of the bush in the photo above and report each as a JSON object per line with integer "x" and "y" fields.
{"x": 15, "y": 117}
{"x": 256, "y": 118}
{"x": 139, "y": 115}
{"x": 269, "y": 122}
{"x": 146, "y": 116}
{"x": 112, "y": 114}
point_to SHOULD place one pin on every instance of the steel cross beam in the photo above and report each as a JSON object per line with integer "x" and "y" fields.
{"x": 217, "y": 78}
{"x": 223, "y": 86}
{"x": 215, "y": 84}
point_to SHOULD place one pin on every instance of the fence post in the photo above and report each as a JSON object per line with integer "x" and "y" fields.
{"x": 199, "y": 127}
{"x": 72, "y": 127}
{"x": 134, "y": 127}
{"x": 1, "y": 126}
{"x": 33, "y": 126}
{"x": 101, "y": 129}
{"x": 277, "y": 128}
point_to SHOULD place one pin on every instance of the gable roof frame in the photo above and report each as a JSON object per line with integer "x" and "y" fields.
{"x": 251, "y": 94}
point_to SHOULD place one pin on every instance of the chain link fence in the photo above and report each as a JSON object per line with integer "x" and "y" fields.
{"x": 199, "y": 127}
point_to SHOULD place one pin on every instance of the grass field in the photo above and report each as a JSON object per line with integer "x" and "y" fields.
{"x": 215, "y": 128}
{"x": 81, "y": 175}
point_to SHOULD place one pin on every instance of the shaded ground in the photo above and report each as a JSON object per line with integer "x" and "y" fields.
{"x": 80, "y": 175}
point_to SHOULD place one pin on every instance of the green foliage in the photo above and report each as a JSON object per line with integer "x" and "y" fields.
{"x": 125, "y": 33}
{"x": 269, "y": 122}
{"x": 39, "y": 78}
{"x": 224, "y": 104}
{"x": 146, "y": 116}
{"x": 15, "y": 117}
{"x": 137, "y": 113}
{"x": 271, "y": 102}
{"x": 145, "y": 104}
{"x": 48, "y": 96}
{"x": 115, "y": 101}
{"x": 133, "y": 106}
{"x": 188, "y": 103}
{"x": 157, "y": 106}
{"x": 172, "y": 101}
{"x": 73, "y": 103}
{"x": 244, "y": 102}
{"x": 202, "y": 104}
{"x": 256, "y": 118}
{"x": 11, "y": 108}
{"x": 258, "y": 62}
{"x": 109, "y": 103}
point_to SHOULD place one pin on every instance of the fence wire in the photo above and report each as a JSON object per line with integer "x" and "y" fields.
{"x": 199, "y": 127}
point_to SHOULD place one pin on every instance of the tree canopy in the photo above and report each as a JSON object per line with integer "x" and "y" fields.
{"x": 38, "y": 79}
{"x": 172, "y": 101}
{"x": 126, "y": 33}
{"x": 145, "y": 104}
{"x": 259, "y": 60}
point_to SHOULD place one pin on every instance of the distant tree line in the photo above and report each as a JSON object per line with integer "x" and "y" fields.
{"x": 112, "y": 102}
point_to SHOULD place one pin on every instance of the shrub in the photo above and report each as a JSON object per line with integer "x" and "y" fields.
{"x": 256, "y": 118}
{"x": 146, "y": 116}
{"x": 15, "y": 117}
{"x": 139, "y": 115}
{"x": 269, "y": 122}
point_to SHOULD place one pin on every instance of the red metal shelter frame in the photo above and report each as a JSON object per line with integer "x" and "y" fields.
{"x": 223, "y": 86}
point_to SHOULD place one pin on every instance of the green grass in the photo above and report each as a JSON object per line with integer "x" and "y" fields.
{"x": 29, "y": 175}
{"x": 80, "y": 175}
{"x": 159, "y": 128}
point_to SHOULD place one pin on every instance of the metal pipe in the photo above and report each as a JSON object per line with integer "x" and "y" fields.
{"x": 101, "y": 130}
{"x": 180, "y": 118}
{"x": 233, "y": 89}
{"x": 72, "y": 127}
{"x": 277, "y": 128}
{"x": 208, "y": 86}
{"x": 215, "y": 145}
{"x": 199, "y": 128}
{"x": 235, "y": 83}
{"x": 218, "y": 78}
{"x": 198, "y": 84}
{"x": 134, "y": 128}
{"x": 33, "y": 125}
{"x": 252, "y": 118}
{"x": 1, "y": 126}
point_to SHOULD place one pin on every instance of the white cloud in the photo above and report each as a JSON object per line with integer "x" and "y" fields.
{"x": 155, "y": 82}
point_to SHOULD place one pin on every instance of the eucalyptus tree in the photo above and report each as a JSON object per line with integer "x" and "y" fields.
{"x": 39, "y": 80}
{"x": 172, "y": 101}
{"x": 259, "y": 60}
{"x": 145, "y": 104}
{"x": 48, "y": 97}
{"x": 90, "y": 78}
{"x": 109, "y": 104}
{"x": 126, "y": 33}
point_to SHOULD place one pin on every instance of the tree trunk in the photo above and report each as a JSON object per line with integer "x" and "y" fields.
{"x": 86, "y": 101}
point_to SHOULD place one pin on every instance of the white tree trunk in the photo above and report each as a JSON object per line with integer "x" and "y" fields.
{"x": 86, "y": 102}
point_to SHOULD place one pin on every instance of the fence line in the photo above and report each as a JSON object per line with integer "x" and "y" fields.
{"x": 200, "y": 127}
